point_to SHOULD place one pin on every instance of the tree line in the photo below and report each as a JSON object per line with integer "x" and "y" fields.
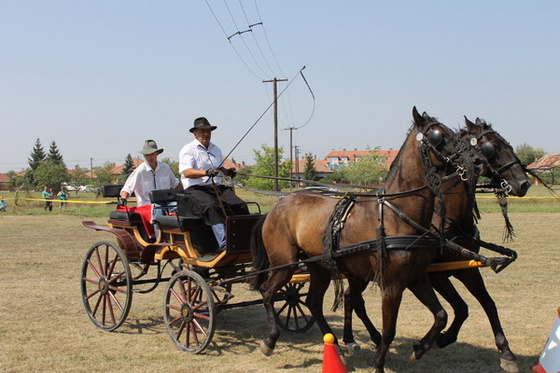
{"x": 47, "y": 169}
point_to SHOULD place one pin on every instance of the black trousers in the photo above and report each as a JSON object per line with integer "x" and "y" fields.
{"x": 206, "y": 201}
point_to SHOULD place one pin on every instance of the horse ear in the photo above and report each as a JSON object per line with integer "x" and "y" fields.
{"x": 416, "y": 116}
{"x": 480, "y": 122}
{"x": 470, "y": 125}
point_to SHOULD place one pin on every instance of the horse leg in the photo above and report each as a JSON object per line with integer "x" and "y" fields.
{"x": 353, "y": 301}
{"x": 390, "y": 302}
{"x": 318, "y": 284}
{"x": 422, "y": 289}
{"x": 442, "y": 284}
{"x": 269, "y": 289}
{"x": 473, "y": 281}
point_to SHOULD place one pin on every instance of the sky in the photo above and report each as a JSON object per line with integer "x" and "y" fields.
{"x": 100, "y": 77}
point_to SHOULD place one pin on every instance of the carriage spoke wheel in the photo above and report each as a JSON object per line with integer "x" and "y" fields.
{"x": 290, "y": 311}
{"x": 189, "y": 313}
{"x": 106, "y": 285}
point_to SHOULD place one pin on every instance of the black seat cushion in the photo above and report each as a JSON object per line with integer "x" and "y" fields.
{"x": 164, "y": 195}
{"x": 111, "y": 190}
{"x": 131, "y": 217}
{"x": 181, "y": 222}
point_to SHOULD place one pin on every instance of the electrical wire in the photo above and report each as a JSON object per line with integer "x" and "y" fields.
{"x": 261, "y": 116}
{"x": 232, "y": 46}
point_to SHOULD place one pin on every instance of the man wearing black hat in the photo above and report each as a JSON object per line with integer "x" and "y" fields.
{"x": 201, "y": 169}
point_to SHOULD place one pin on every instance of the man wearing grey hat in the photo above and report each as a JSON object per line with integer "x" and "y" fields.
{"x": 201, "y": 169}
{"x": 150, "y": 175}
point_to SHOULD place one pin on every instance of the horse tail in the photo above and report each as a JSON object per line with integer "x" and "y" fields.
{"x": 259, "y": 255}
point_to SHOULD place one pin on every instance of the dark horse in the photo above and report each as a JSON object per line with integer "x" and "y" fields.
{"x": 296, "y": 228}
{"x": 503, "y": 169}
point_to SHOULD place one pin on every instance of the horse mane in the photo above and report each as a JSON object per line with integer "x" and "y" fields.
{"x": 397, "y": 161}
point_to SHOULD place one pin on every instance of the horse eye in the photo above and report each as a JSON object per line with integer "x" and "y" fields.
{"x": 488, "y": 150}
{"x": 435, "y": 137}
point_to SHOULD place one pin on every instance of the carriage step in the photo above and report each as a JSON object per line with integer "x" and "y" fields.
{"x": 208, "y": 257}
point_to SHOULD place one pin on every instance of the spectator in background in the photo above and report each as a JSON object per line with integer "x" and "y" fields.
{"x": 48, "y": 196}
{"x": 63, "y": 196}
{"x": 3, "y": 204}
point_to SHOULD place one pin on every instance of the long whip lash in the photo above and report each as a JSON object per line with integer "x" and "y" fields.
{"x": 260, "y": 117}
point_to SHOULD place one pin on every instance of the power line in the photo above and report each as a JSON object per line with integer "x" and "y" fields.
{"x": 240, "y": 33}
{"x": 267, "y": 40}
{"x": 227, "y": 37}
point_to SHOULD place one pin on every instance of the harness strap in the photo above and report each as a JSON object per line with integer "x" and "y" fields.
{"x": 331, "y": 241}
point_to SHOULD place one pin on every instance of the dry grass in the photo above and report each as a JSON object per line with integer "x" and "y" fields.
{"x": 43, "y": 326}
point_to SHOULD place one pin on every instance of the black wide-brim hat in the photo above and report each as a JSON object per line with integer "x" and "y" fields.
{"x": 202, "y": 124}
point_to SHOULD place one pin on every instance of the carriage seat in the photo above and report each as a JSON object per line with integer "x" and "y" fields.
{"x": 163, "y": 196}
{"x": 184, "y": 223}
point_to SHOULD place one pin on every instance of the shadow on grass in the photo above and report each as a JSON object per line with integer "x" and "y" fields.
{"x": 151, "y": 325}
{"x": 458, "y": 357}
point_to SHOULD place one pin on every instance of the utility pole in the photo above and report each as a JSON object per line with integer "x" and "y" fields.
{"x": 275, "y": 93}
{"x": 297, "y": 161}
{"x": 291, "y": 150}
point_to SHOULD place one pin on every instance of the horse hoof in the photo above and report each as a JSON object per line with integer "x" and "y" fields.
{"x": 413, "y": 359}
{"x": 509, "y": 366}
{"x": 267, "y": 351}
{"x": 352, "y": 348}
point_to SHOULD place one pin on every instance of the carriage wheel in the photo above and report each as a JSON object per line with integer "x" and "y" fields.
{"x": 189, "y": 312}
{"x": 106, "y": 285}
{"x": 290, "y": 311}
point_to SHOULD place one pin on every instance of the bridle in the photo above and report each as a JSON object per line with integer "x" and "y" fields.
{"x": 487, "y": 150}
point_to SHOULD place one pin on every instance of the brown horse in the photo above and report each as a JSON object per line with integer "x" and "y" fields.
{"x": 296, "y": 228}
{"x": 504, "y": 169}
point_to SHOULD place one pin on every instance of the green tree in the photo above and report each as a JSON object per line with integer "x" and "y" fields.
{"x": 54, "y": 155}
{"x": 18, "y": 182}
{"x": 367, "y": 171}
{"x": 264, "y": 166}
{"x": 78, "y": 177}
{"x": 51, "y": 175}
{"x": 38, "y": 155}
{"x": 128, "y": 166}
{"x": 103, "y": 176}
{"x": 309, "y": 168}
{"x": 242, "y": 173}
{"x": 127, "y": 170}
{"x": 174, "y": 165}
{"x": 527, "y": 154}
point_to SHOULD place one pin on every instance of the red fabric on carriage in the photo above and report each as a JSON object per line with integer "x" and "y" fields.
{"x": 145, "y": 213}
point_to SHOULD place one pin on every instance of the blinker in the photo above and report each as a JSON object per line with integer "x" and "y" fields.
{"x": 435, "y": 137}
{"x": 488, "y": 150}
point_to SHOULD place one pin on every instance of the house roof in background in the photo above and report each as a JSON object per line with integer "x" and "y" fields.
{"x": 548, "y": 161}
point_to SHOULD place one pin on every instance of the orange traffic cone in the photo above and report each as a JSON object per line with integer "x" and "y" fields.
{"x": 332, "y": 362}
{"x": 549, "y": 361}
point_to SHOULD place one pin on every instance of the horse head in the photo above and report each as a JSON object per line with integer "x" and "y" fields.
{"x": 447, "y": 151}
{"x": 500, "y": 162}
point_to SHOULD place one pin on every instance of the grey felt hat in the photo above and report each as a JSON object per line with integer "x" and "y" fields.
{"x": 150, "y": 147}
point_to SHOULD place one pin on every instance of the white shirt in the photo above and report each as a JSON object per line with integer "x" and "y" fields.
{"x": 143, "y": 180}
{"x": 195, "y": 155}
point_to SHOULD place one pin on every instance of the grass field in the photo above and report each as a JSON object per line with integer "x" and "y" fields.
{"x": 45, "y": 328}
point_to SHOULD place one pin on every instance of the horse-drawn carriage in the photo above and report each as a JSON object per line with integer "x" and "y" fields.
{"x": 201, "y": 276}
{"x": 390, "y": 236}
